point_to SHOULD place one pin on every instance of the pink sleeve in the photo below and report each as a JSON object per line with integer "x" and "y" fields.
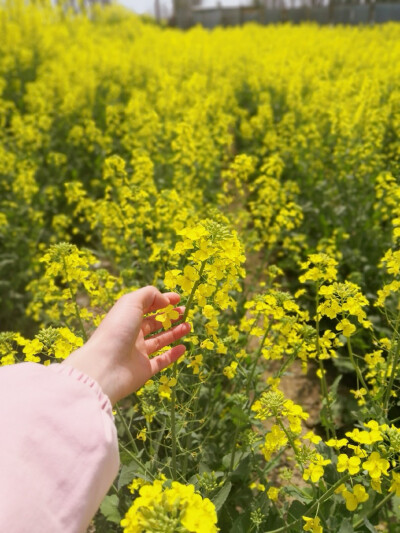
{"x": 58, "y": 448}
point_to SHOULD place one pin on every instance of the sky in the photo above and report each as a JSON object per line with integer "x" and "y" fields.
{"x": 144, "y": 6}
{"x": 147, "y": 6}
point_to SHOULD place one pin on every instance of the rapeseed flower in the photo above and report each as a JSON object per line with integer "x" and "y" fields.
{"x": 312, "y": 524}
{"x": 352, "y": 464}
{"x": 353, "y": 499}
{"x": 166, "y": 316}
{"x": 376, "y": 466}
{"x": 177, "y": 508}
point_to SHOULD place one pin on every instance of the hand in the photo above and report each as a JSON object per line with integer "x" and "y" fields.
{"x": 117, "y": 354}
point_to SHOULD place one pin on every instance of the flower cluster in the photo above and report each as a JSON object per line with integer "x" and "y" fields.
{"x": 174, "y": 508}
{"x": 214, "y": 164}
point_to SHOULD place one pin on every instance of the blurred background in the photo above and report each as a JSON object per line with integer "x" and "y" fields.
{"x": 211, "y": 13}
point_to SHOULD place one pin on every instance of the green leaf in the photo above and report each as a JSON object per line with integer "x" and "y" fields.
{"x": 343, "y": 364}
{"x": 242, "y": 524}
{"x": 220, "y": 498}
{"x": 194, "y": 481}
{"x": 241, "y": 471}
{"x": 346, "y": 527}
{"x": 297, "y": 510}
{"x": 300, "y": 496}
{"x": 396, "y": 506}
{"x": 129, "y": 472}
{"x": 203, "y": 467}
{"x": 239, "y": 462}
{"x": 109, "y": 508}
{"x": 335, "y": 384}
{"x": 239, "y": 417}
{"x": 369, "y": 526}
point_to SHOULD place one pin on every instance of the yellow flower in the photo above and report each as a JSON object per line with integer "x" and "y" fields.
{"x": 142, "y": 435}
{"x": 310, "y": 435}
{"x": 340, "y": 489}
{"x": 171, "y": 278}
{"x": 376, "y": 485}
{"x": 179, "y": 506}
{"x": 336, "y": 443}
{"x": 167, "y": 315}
{"x": 358, "y": 451}
{"x": 353, "y": 499}
{"x": 346, "y": 326}
{"x": 365, "y": 437}
{"x": 207, "y": 344}
{"x": 273, "y": 493}
{"x": 312, "y": 524}
{"x": 395, "y": 486}
{"x": 204, "y": 251}
{"x": 359, "y": 395}
{"x": 315, "y": 469}
{"x": 196, "y": 363}
{"x": 320, "y": 268}
{"x": 164, "y": 389}
{"x": 230, "y": 371}
{"x": 274, "y": 440}
{"x": 376, "y": 466}
{"x": 257, "y": 486}
{"x": 136, "y": 484}
{"x": 31, "y": 349}
{"x": 352, "y": 464}
{"x": 188, "y": 279}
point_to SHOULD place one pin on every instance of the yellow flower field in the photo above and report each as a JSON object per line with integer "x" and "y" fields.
{"x": 254, "y": 170}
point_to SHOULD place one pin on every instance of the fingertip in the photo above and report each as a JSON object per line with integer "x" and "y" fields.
{"x": 185, "y": 328}
{"x": 181, "y": 330}
{"x": 178, "y": 351}
{"x": 167, "y": 358}
{"x": 173, "y": 297}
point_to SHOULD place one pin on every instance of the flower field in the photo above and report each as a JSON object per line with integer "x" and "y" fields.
{"x": 253, "y": 170}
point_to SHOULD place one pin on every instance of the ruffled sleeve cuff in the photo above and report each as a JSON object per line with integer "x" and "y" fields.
{"x": 59, "y": 448}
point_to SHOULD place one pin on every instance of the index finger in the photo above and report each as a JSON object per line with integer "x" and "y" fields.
{"x": 151, "y": 299}
{"x": 127, "y": 313}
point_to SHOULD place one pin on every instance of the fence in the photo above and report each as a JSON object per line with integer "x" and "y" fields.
{"x": 333, "y": 14}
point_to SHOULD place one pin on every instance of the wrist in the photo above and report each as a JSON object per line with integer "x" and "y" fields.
{"x": 84, "y": 361}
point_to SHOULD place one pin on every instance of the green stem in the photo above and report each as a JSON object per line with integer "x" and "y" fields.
{"x": 114, "y": 488}
{"x": 393, "y": 339}
{"x": 123, "y": 422}
{"x": 394, "y": 370}
{"x": 315, "y": 505}
{"x": 246, "y": 339}
{"x": 249, "y": 380}
{"x": 235, "y": 436}
{"x": 189, "y": 433}
{"x": 77, "y": 313}
{"x": 355, "y": 365}
{"x": 374, "y": 510}
{"x": 174, "y": 373}
{"x": 291, "y": 442}
{"x": 324, "y": 385}
{"x": 141, "y": 467}
{"x": 257, "y": 357}
{"x": 288, "y": 362}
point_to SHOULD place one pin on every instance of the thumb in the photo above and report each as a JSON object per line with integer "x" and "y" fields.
{"x": 125, "y": 317}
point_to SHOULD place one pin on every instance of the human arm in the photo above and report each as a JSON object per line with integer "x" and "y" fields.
{"x": 117, "y": 354}
{"x": 58, "y": 446}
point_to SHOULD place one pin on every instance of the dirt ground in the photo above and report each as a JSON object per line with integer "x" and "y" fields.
{"x": 304, "y": 390}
